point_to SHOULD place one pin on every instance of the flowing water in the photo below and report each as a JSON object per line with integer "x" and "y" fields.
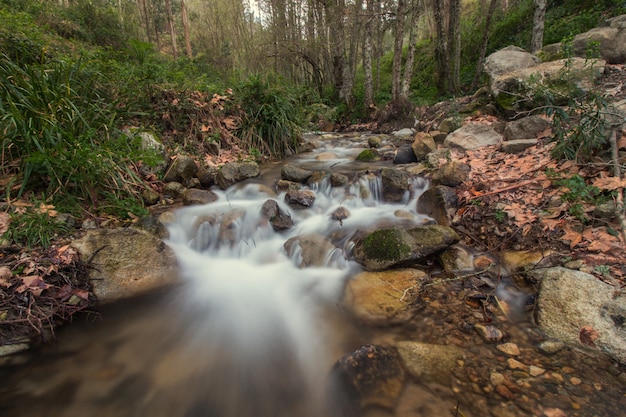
{"x": 248, "y": 332}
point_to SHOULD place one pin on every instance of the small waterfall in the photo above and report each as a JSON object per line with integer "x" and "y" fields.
{"x": 257, "y": 311}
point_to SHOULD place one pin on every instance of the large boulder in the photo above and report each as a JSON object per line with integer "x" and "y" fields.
{"x": 296, "y": 174}
{"x": 439, "y": 202}
{"x": 578, "y": 308}
{"x": 384, "y": 297}
{"x": 530, "y": 127}
{"x": 515, "y": 90}
{"x": 182, "y": 169}
{"x": 396, "y": 247}
{"x": 126, "y": 262}
{"x": 422, "y": 145}
{"x": 234, "y": 172}
{"x": 310, "y": 250}
{"x": 508, "y": 59}
{"x": 394, "y": 184}
{"x": 610, "y": 41}
{"x": 472, "y": 136}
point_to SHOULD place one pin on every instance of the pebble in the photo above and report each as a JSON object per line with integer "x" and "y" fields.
{"x": 510, "y": 349}
{"x": 536, "y": 371}
{"x": 575, "y": 381}
{"x": 504, "y": 392}
{"x": 551, "y": 346}
{"x": 515, "y": 364}
{"x": 489, "y": 333}
{"x": 496, "y": 378}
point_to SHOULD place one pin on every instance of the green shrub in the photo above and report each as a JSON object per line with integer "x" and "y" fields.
{"x": 271, "y": 118}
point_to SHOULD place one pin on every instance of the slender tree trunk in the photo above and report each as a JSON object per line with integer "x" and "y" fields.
{"x": 454, "y": 45}
{"x": 396, "y": 69}
{"x": 539, "y": 18}
{"x": 367, "y": 57}
{"x": 483, "y": 44}
{"x": 441, "y": 49}
{"x": 183, "y": 12}
{"x": 170, "y": 21}
{"x": 143, "y": 12}
{"x": 410, "y": 59}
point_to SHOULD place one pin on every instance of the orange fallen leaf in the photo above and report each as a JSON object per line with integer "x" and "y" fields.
{"x": 588, "y": 335}
{"x": 609, "y": 183}
{"x": 571, "y": 236}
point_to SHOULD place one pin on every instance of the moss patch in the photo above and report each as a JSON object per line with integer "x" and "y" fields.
{"x": 386, "y": 245}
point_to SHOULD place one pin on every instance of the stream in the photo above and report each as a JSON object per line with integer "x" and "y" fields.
{"x": 251, "y": 333}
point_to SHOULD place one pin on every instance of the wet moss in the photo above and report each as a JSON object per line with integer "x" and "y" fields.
{"x": 368, "y": 155}
{"x": 386, "y": 245}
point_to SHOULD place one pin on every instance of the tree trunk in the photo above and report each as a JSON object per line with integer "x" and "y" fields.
{"x": 454, "y": 46}
{"x": 396, "y": 69}
{"x": 170, "y": 21}
{"x": 410, "y": 59}
{"x": 539, "y": 18}
{"x": 483, "y": 45}
{"x": 441, "y": 48}
{"x": 183, "y": 12}
{"x": 367, "y": 57}
{"x": 143, "y": 12}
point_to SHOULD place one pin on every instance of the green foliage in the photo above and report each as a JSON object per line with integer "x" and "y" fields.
{"x": 20, "y": 38}
{"x": 58, "y": 125}
{"x": 500, "y": 215}
{"x": 576, "y": 193}
{"x": 34, "y": 226}
{"x": 270, "y": 116}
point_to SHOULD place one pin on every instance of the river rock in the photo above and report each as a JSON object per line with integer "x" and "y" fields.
{"x": 309, "y": 250}
{"x": 296, "y": 174}
{"x": 230, "y": 232}
{"x": 207, "y": 176}
{"x": 384, "y": 297}
{"x": 422, "y": 145}
{"x": 404, "y": 155}
{"x": 451, "y": 174}
{"x": 611, "y": 41}
{"x": 174, "y": 189}
{"x": 369, "y": 155}
{"x": 285, "y": 185}
{"x": 371, "y": 375}
{"x": 374, "y": 141}
{"x": 579, "y": 309}
{"x": 196, "y": 196}
{"x": 300, "y": 198}
{"x": 278, "y": 218}
{"x": 472, "y": 136}
{"x": 517, "y": 145}
{"x": 394, "y": 184}
{"x": 233, "y": 172}
{"x": 530, "y": 127}
{"x": 457, "y": 258}
{"x": 429, "y": 362}
{"x": 126, "y": 262}
{"x": 507, "y": 60}
{"x": 150, "y": 196}
{"x": 182, "y": 168}
{"x": 338, "y": 180}
{"x": 340, "y": 213}
{"x": 440, "y": 203}
{"x": 394, "y": 247}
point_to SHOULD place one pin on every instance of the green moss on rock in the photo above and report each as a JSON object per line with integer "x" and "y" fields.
{"x": 385, "y": 245}
{"x": 369, "y": 155}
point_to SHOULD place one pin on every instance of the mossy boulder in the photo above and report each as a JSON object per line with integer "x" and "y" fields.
{"x": 369, "y": 155}
{"x": 396, "y": 247}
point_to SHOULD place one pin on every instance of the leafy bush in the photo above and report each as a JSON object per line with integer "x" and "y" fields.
{"x": 271, "y": 119}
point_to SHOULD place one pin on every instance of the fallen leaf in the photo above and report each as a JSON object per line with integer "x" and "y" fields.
{"x": 33, "y": 283}
{"x": 609, "y": 183}
{"x": 588, "y": 335}
{"x": 571, "y": 236}
{"x": 5, "y": 219}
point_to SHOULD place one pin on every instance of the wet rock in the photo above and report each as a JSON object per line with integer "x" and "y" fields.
{"x": 429, "y": 362}
{"x": 181, "y": 169}
{"x": 472, "y": 136}
{"x": 530, "y": 127}
{"x": 440, "y": 203}
{"x": 516, "y": 261}
{"x": 278, "y": 218}
{"x": 233, "y": 172}
{"x": 422, "y": 145}
{"x": 451, "y": 174}
{"x": 338, "y": 180}
{"x": 326, "y": 156}
{"x": 573, "y": 305}
{"x": 340, "y": 213}
{"x": 150, "y": 196}
{"x": 369, "y": 155}
{"x": 457, "y": 258}
{"x": 230, "y": 227}
{"x": 284, "y": 185}
{"x": 404, "y": 155}
{"x": 207, "y": 176}
{"x": 300, "y": 198}
{"x": 405, "y": 133}
{"x": 374, "y": 141}
{"x": 385, "y": 297}
{"x": 510, "y": 349}
{"x": 371, "y": 375}
{"x": 195, "y": 196}
{"x": 126, "y": 262}
{"x": 174, "y": 189}
{"x": 551, "y": 346}
{"x": 504, "y": 392}
{"x": 394, "y": 247}
{"x": 535, "y": 370}
{"x": 309, "y": 250}
{"x": 394, "y": 184}
{"x": 489, "y": 333}
{"x": 517, "y": 145}
{"x": 515, "y": 364}
{"x": 293, "y": 173}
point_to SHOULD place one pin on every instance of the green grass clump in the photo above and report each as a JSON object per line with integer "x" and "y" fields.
{"x": 35, "y": 226}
